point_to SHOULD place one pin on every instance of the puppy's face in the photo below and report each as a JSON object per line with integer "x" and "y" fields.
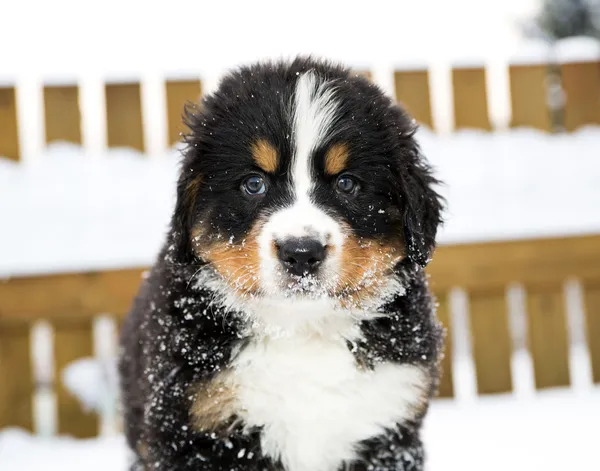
{"x": 303, "y": 182}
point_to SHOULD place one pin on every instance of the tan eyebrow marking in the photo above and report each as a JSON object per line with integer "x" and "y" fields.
{"x": 265, "y": 155}
{"x": 336, "y": 159}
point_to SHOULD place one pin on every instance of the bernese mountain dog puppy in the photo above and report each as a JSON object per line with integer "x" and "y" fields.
{"x": 287, "y": 323}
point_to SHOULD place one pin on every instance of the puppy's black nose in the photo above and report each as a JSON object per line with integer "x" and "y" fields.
{"x": 301, "y": 256}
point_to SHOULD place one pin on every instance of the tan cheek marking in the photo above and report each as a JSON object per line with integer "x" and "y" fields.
{"x": 215, "y": 404}
{"x": 336, "y": 159}
{"x": 238, "y": 262}
{"x": 265, "y": 155}
{"x": 365, "y": 265}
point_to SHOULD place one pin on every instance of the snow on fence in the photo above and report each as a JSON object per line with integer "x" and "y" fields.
{"x": 144, "y": 113}
{"x": 503, "y": 302}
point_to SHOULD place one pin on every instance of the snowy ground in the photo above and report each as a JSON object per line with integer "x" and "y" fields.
{"x": 555, "y": 431}
{"x": 75, "y": 212}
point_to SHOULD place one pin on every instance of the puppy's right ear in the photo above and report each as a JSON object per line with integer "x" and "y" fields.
{"x": 183, "y": 216}
{"x": 188, "y": 187}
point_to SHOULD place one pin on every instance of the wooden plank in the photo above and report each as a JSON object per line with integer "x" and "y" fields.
{"x": 16, "y": 383}
{"x": 548, "y": 339}
{"x": 124, "y": 116}
{"x": 178, "y": 94}
{"x": 492, "y": 264}
{"x": 528, "y": 97}
{"x": 581, "y": 84}
{"x": 67, "y": 296}
{"x": 61, "y": 111}
{"x": 412, "y": 91}
{"x": 73, "y": 340}
{"x": 591, "y": 293}
{"x": 492, "y": 344}
{"x": 9, "y": 133}
{"x": 446, "y": 386}
{"x": 470, "y": 99}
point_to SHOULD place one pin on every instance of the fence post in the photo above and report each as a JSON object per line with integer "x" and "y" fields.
{"x": 124, "y": 115}
{"x": 547, "y": 334}
{"x": 9, "y": 131}
{"x": 179, "y": 92}
{"x": 528, "y": 96}
{"x": 492, "y": 342}
{"x": 412, "y": 91}
{"x": 470, "y": 98}
{"x": 16, "y": 386}
{"x": 591, "y": 294}
{"x": 581, "y": 84}
{"x": 61, "y": 113}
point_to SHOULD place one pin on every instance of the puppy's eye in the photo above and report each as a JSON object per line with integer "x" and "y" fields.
{"x": 254, "y": 185}
{"x": 346, "y": 184}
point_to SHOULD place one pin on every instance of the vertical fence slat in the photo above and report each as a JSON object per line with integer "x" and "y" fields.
{"x": 591, "y": 293}
{"x": 528, "y": 97}
{"x": 548, "y": 335}
{"x": 470, "y": 98}
{"x": 492, "y": 345}
{"x": 446, "y": 387}
{"x": 412, "y": 90}
{"x": 73, "y": 339}
{"x": 9, "y": 134}
{"x": 581, "y": 83}
{"x": 124, "y": 116}
{"x": 62, "y": 115}
{"x": 16, "y": 377}
{"x": 178, "y": 94}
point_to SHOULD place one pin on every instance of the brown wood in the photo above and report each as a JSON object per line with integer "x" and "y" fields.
{"x": 61, "y": 111}
{"x": 495, "y": 264}
{"x": 446, "y": 387}
{"x": 528, "y": 97}
{"x": 470, "y": 99}
{"x": 124, "y": 116}
{"x": 591, "y": 292}
{"x": 73, "y": 340}
{"x": 66, "y": 296}
{"x": 9, "y": 133}
{"x": 412, "y": 91}
{"x": 548, "y": 341}
{"x": 178, "y": 94}
{"x": 492, "y": 344}
{"x": 581, "y": 83}
{"x": 16, "y": 376}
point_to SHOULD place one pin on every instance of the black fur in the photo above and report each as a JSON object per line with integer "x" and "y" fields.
{"x": 179, "y": 335}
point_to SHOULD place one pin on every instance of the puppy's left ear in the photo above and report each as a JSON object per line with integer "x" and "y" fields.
{"x": 422, "y": 206}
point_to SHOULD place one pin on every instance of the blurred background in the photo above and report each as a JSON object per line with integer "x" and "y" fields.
{"x": 508, "y": 97}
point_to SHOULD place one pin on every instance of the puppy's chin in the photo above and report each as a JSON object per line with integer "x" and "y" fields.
{"x": 302, "y": 287}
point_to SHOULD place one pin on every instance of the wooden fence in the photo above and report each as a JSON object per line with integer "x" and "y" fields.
{"x": 70, "y": 302}
{"x": 128, "y": 119}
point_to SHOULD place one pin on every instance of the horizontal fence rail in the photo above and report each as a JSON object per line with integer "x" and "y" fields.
{"x": 484, "y": 272}
{"x": 145, "y": 114}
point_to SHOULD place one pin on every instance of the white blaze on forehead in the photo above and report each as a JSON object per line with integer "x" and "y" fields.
{"x": 314, "y": 115}
{"x": 314, "y": 112}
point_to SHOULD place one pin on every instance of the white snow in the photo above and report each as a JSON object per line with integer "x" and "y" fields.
{"x": 214, "y": 35}
{"x": 91, "y": 382}
{"x": 578, "y": 49}
{"x": 74, "y": 212}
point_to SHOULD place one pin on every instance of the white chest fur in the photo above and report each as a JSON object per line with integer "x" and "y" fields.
{"x": 315, "y": 405}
